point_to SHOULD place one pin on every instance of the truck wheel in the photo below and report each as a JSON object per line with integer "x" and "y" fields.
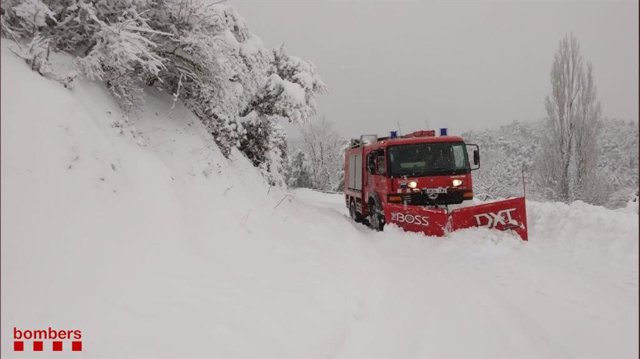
{"x": 376, "y": 220}
{"x": 354, "y": 213}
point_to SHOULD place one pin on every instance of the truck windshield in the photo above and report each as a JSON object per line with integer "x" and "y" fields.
{"x": 423, "y": 159}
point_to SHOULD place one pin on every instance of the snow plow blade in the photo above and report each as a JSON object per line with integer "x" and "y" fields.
{"x": 509, "y": 214}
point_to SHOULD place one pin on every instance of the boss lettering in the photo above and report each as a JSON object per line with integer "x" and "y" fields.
{"x": 409, "y": 219}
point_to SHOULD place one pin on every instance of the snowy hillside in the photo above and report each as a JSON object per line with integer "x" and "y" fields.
{"x": 142, "y": 235}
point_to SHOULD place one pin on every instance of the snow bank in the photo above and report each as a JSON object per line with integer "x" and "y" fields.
{"x": 571, "y": 291}
{"x": 148, "y": 240}
{"x": 141, "y": 234}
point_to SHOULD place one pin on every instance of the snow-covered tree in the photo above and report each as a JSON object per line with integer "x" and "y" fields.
{"x": 288, "y": 94}
{"x": 27, "y": 17}
{"x": 218, "y": 62}
{"x": 290, "y": 89}
{"x": 202, "y": 52}
{"x": 299, "y": 170}
{"x": 324, "y": 148}
{"x": 589, "y": 182}
{"x": 264, "y": 143}
{"x": 506, "y": 150}
{"x": 566, "y": 166}
{"x": 122, "y": 54}
{"x": 339, "y": 184}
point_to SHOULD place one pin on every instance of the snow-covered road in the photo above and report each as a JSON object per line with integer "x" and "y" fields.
{"x": 481, "y": 293}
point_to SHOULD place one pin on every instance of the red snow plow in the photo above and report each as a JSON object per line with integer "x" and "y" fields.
{"x": 413, "y": 180}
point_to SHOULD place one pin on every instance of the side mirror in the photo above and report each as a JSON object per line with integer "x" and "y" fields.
{"x": 475, "y": 162}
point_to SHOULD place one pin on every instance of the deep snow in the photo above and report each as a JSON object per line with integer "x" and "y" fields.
{"x": 143, "y": 236}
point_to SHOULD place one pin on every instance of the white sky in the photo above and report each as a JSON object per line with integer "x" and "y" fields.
{"x": 456, "y": 64}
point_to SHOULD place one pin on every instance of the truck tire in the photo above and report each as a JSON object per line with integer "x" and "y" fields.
{"x": 376, "y": 218}
{"x": 353, "y": 212}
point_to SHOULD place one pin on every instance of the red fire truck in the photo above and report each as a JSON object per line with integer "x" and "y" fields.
{"x": 420, "y": 182}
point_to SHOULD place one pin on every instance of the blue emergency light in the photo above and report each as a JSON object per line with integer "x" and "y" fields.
{"x": 393, "y": 134}
{"x": 443, "y": 132}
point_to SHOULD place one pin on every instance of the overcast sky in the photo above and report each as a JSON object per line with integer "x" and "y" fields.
{"x": 457, "y": 64}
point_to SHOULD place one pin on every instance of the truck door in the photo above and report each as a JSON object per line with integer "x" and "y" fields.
{"x": 381, "y": 174}
{"x": 376, "y": 174}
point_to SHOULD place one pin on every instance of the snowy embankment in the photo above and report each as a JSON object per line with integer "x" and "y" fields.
{"x": 153, "y": 244}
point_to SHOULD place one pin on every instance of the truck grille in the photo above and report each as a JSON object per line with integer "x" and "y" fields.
{"x": 422, "y": 199}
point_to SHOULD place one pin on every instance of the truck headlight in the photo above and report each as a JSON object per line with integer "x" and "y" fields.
{"x": 413, "y": 184}
{"x": 456, "y": 182}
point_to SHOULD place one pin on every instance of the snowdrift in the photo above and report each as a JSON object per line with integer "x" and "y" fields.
{"x": 142, "y": 235}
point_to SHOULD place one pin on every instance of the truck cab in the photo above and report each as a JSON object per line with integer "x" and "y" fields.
{"x": 419, "y": 169}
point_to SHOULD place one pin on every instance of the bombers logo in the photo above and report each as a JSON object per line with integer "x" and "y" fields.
{"x": 491, "y": 219}
{"x": 409, "y": 219}
{"x": 47, "y": 339}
